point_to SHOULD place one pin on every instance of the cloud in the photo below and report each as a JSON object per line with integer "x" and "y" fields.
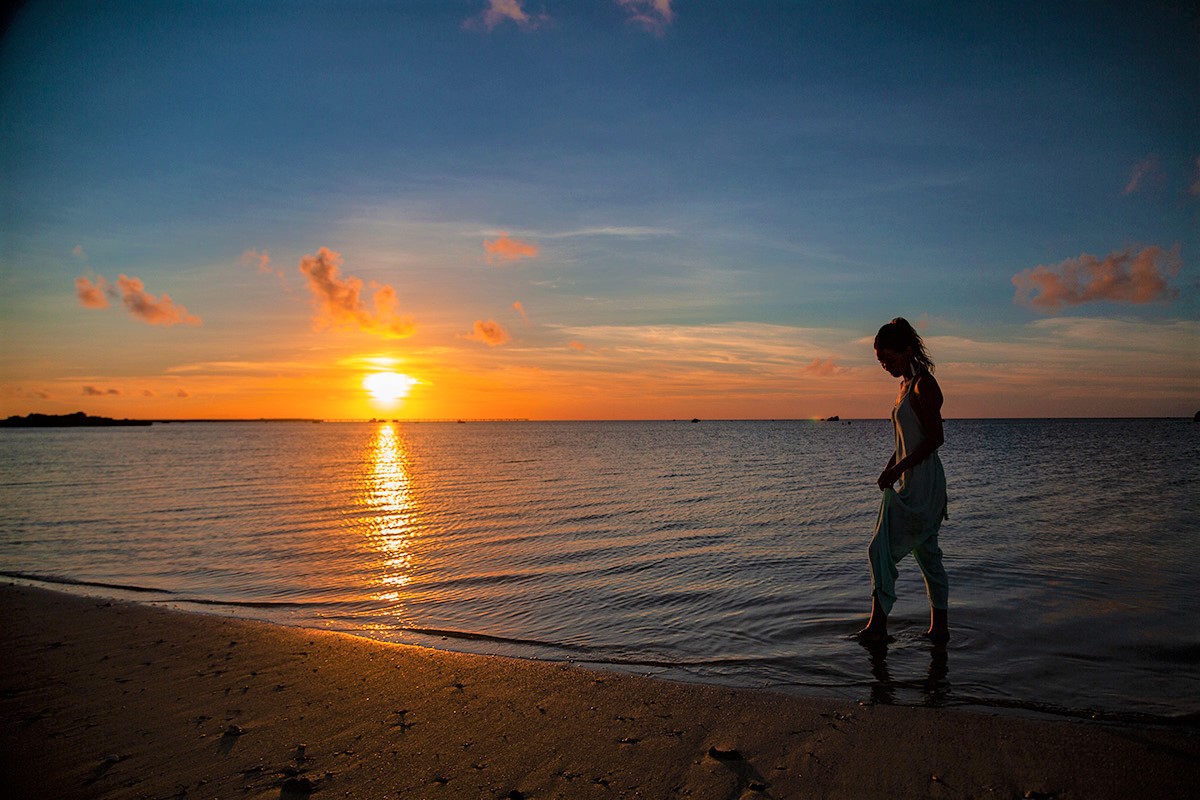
{"x": 182, "y": 393}
{"x": 1127, "y": 276}
{"x": 520, "y": 309}
{"x": 653, "y": 15}
{"x": 141, "y": 304}
{"x": 92, "y": 391}
{"x": 491, "y": 333}
{"x": 1142, "y": 173}
{"x": 626, "y": 231}
{"x": 93, "y": 295}
{"x": 508, "y": 249}
{"x": 499, "y": 11}
{"x": 253, "y": 258}
{"x": 575, "y": 345}
{"x": 77, "y": 251}
{"x": 822, "y": 369}
{"x": 148, "y": 308}
{"x": 1194, "y": 189}
{"x": 338, "y": 300}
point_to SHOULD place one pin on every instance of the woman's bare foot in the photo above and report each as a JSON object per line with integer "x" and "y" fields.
{"x": 872, "y": 635}
{"x": 876, "y": 630}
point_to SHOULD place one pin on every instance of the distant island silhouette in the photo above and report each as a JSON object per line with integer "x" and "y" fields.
{"x": 76, "y": 420}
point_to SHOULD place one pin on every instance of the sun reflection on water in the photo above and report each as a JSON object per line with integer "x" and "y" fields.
{"x": 394, "y": 522}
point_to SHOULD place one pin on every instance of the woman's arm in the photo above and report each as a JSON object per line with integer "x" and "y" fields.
{"x": 928, "y": 405}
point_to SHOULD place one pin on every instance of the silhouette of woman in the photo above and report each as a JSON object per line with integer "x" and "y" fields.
{"x": 913, "y": 485}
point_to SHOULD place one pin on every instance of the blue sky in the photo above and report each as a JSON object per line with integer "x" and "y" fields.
{"x": 719, "y": 203}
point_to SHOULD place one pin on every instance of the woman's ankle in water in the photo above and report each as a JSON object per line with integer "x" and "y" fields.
{"x": 939, "y": 625}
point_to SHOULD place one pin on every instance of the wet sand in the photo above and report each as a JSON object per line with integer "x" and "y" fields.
{"x": 118, "y": 700}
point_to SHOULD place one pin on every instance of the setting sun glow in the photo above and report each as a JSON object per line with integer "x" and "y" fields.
{"x": 388, "y": 387}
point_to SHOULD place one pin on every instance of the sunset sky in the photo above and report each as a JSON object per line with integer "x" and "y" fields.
{"x": 595, "y": 209}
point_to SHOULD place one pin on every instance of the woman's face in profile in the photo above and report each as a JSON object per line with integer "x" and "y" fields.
{"x": 895, "y": 363}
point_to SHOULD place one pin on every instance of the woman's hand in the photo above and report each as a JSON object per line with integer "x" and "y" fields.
{"x": 889, "y": 477}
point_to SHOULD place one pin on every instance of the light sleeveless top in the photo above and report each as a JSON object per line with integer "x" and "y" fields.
{"x": 917, "y": 505}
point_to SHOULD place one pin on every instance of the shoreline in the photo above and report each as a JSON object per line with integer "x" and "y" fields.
{"x": 115, "y": 699}
{"x": 553, "y": 653}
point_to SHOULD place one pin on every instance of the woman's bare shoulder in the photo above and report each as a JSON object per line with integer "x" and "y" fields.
{"x": 927, "y": 387}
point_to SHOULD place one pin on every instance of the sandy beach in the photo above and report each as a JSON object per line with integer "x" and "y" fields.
{"x": 111, "y": 699}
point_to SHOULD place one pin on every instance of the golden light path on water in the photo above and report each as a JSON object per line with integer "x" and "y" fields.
{"x": 394, "y": 525}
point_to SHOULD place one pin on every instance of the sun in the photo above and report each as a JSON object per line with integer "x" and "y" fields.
{"x": 388, "y": 387}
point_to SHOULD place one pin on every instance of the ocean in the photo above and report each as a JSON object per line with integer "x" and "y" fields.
{"x": 720, "y": 552}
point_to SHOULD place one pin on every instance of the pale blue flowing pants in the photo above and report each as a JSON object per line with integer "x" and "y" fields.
{"x": 888, "y": 547}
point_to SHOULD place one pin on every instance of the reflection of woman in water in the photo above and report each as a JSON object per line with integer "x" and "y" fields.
{"x": 913, "y": 484}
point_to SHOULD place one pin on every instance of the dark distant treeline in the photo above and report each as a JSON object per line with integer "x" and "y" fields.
{"x": 76, "y": 420}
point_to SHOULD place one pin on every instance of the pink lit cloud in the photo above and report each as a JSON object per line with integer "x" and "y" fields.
{"x": 491, "y": 333}
{"x": 140, "y": 303}
{"x": 520, "y": 309}
{"x": 575, "y": 345}
{"x": 504, "y": 248}
{"x": 652, "y": 15}
{"x": 93, "y": 294}
{"x": 339, "y": 304}
{"x": 499, "y": 11}
{"x": 77, "y": 251}
{"x": 260, "y": 261}
{"x": 151, "y": 309}
{"x": 822, "y": 368}
{"x": 1142, "y": 174}
{"x": 1128, "y": 276}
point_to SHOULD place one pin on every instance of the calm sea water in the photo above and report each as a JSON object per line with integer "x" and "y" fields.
{"x": 727, "y": 552}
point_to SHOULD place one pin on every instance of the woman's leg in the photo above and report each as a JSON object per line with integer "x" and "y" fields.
{"x": 883, "y": 579}
{"x": 928, "y": 556}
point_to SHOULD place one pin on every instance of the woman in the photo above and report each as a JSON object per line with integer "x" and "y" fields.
{"x": 913, "y": 484}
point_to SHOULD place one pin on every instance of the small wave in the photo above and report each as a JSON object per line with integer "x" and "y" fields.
{"x": 205, "y": 601}
{"x": 485, "y": 637}
{"x": 1096, "y": 715}
{"x": 64, "y": 581}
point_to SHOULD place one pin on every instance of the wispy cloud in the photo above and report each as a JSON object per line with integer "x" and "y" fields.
{"x": 822, "y": 368}
{"x": 520, "y": 309}
{"x": 339, "y": 304}
{"x": 622, "y": 231}
{"x": 500, "y": 11}
{"x": 1127, "y": 276}
{"x": 241, "y": 368}
{"x": 1142, "y": 173}
{"x": 504, "y": 248}
{"x": 491, "y": 333}
{"x": 92, "y": 391}
{"x": 77, "y": 251}
{"x": 728, "y": 348}
{"x": 140, "y": 303}
{"x": 93, "y": 294}
{"x": 652, "y": 15}
{"x": 151, "y": 309}
{"x": 261, "y": 261}
{"x": 1070, "y": 366}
